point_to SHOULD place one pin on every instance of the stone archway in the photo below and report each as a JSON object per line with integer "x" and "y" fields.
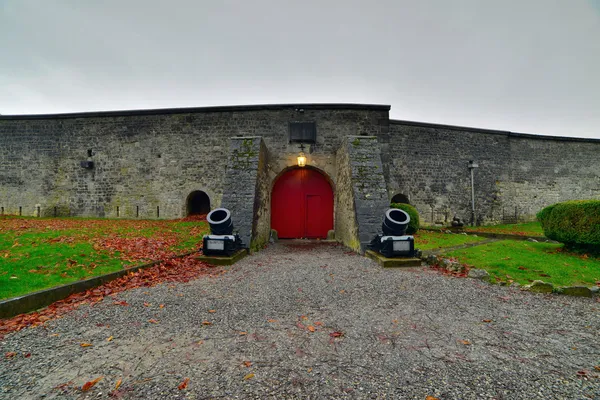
{"x": 198, "y": 203}
{"x": 400, "y": 198}
{"x": 302, "y": 204}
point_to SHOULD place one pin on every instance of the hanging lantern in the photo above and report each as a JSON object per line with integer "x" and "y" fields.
{"x": 301, "y": 159}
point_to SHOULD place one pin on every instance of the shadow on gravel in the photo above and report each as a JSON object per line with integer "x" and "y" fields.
{"x": 306, "y": 244}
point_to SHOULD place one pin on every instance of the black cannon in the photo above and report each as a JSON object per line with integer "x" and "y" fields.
{"x": 221, "y": 241}
{"x": 395, "y": 222}
{"x": 220, "y": 221}
{"x": 394, "y": 242}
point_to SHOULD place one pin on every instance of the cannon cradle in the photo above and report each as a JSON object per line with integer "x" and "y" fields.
{"x": 394, "y": 242}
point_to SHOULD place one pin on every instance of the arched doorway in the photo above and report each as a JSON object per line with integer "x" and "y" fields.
{"x": 198, "y": 203}
{"x": 400, "y": 198}
{"x": 302, "y": 205}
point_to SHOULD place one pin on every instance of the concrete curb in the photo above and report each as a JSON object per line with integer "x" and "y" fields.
{"x": 43, "y": 298}
{"x": 223, "y": 260}
{"x": 398, "y": 262}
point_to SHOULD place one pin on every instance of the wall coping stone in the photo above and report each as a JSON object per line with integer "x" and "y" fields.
{"x": 493, "y": 131}
{"x": 211, "y": 109}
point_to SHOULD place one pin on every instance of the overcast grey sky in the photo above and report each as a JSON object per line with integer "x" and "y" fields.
{"x": 521, "y": 65}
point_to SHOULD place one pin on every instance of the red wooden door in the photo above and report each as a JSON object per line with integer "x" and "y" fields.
{"x": 302, "y": 205}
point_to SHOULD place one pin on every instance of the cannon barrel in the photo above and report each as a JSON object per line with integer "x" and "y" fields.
{"x": 395, "y": 222}
{"x": 220, "y": 221}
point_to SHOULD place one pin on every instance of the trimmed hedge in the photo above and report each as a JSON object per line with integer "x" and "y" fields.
{"x": 414, "y": 224}
{"x": 574, "y": 223}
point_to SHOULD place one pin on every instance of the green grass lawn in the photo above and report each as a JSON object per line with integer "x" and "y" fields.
{"x": 523, "y": 229}
{"x": 38, "y": 253}
{"x": 433, "y": 240}
{"x": 524, "y": 262}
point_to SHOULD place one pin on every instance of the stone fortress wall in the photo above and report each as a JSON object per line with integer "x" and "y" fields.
{"x": 147, "y": 162}
{"x": 518, "y": 174}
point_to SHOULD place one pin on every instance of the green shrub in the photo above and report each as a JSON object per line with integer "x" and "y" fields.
{"x": 574, "y": 223}
{"x": 414, "y": 224}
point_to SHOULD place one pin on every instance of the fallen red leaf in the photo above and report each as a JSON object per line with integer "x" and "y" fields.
{"x": 336, "y": 334}
{"x": 247, "y": 364}
{"x": 206, "y": 323}
{"x": 486, "y": 320}
{"x": 310, "y": 328}
{"x": 173, "y": 270}
{"x": 88, "y": 385}
{"x": 152, "y": 320}
{"x": 10, "y": 354}
{"x": 183, "y": 384}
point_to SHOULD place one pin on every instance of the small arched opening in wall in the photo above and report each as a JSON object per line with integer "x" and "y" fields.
{"x": 302, "y": 202}
{"x": 400, "y": 198}
{"x": 198, "y": 203}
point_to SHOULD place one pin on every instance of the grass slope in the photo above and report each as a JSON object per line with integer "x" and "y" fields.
{"x": 432, "y": 240}
{"x": 524, "y": 262}
{"x": 523, "y": 229}
{"x": 39, "y": 253}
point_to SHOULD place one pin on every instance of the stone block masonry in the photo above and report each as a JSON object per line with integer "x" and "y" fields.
{"x": 368, "y": 186}
{"x": 147, "y": 162}
{"x": 346, "y": 227}
{"x": 518, "y": 174}
{"x": 240, "y": 187}
{"x": 261, "y": 222}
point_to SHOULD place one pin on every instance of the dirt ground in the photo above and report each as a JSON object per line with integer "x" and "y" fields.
{"x": 306, "y": 320}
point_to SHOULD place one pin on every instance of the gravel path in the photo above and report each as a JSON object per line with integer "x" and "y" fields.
{"x": 407, "y": 334}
